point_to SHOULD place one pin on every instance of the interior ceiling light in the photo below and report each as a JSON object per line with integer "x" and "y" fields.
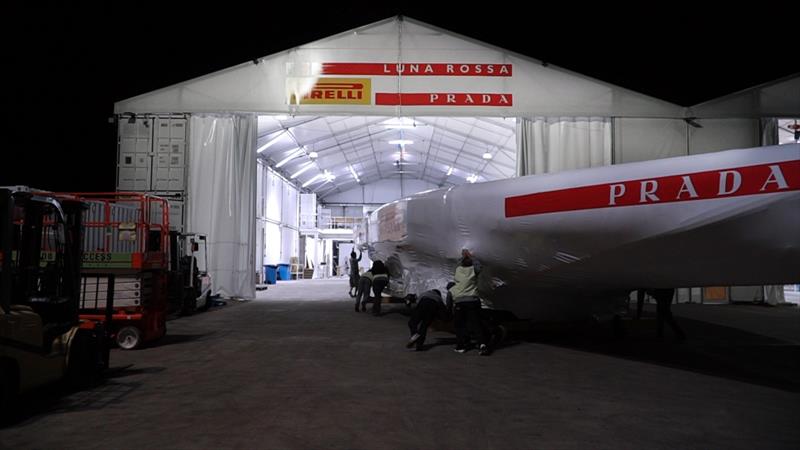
{"x": 303, "y": 169}
{"x": 450, "y": 171}
{"x": 313, "y": 155}
{"x": 401, "y": 142}
{"x": 270, "y": 142}
{"x": 487, "y": 155}
{"x": 316, "y": 177}
{"x": 399, "y": 122}
{"x": 293, "y": 154}
{"x": 329, "y": 176}
{"x": 472, "y": 178}
{"x": 355, "y": 175}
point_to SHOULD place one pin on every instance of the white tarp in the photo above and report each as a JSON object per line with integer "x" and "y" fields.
{"x": 555, "y": 246}
{"x": 222, "y": 198}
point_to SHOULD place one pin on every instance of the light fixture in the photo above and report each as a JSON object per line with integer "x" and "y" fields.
{"x": 270, "y": 142}
{"x": 401, "y": 142}
{"x": 313, "y": 155}
{"x": 487, "y": 155}
{"x": 692, "y": 121}
{"x": 399, "y": 123}
{"x": 328, "y": 175}
{"x": 281, "y": 117}
{"x": 299, "y": 172}
{"x": 293, "y": 154}
{"x": 355, "y": 175}
{"x": 472, "y": 178}
{"x": 450, "y": 171}
{"x": 316, "y": 177}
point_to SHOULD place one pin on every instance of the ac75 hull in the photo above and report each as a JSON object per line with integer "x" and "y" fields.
{"x": 561, "y": 246}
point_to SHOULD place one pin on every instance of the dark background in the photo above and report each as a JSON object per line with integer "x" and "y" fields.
{"x": 65, "y": 66}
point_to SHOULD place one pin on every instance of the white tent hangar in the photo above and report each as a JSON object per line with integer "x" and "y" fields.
{"x": 383, "y": 111}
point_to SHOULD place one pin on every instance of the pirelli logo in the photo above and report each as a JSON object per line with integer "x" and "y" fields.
{"x": 338, "y": 91}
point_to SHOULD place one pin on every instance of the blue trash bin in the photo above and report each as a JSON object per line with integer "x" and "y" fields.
{"x": 270, "y": 273}
{"x": 283, "y": 272}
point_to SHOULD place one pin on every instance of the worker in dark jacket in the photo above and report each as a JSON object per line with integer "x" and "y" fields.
{"x": 467, "y": 305}
{"x": 663, "y": 299}
{"x": 429, "y": 307}
{"x": 362, "y": 293}
{"x": 380, "y": 279}
{"x": 664, "y": 312}
{"x": 354, "y": 276}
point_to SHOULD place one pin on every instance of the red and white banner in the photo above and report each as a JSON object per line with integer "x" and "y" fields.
{"x": 749, "y": 180}
{"x": 420, "y": 69}
{"x": 444, "y": 99}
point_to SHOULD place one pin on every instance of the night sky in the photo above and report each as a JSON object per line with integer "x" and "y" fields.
{"x": 66, "y": 66}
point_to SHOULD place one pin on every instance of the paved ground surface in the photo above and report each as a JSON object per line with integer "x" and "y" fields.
{"x": 297, "y": 368}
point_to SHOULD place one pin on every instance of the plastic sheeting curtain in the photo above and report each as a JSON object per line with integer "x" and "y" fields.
{"x": 222, "y": 198}
{"x": 769, "y": 131}
{"x": 553, "y": 144}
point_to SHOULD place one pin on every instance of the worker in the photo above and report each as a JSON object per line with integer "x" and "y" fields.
{"x": 640, "y": 293}
{"x": 354, "y": 276}
{"x": 664, "y": 312}
{"x": 362, "y": 293}
{"x": 380, "y": 279}
{"x": 467, "y": 305}
{"x": 429, "y": 307}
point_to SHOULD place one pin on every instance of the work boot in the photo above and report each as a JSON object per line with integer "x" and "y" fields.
{"x": 412, "y": 340}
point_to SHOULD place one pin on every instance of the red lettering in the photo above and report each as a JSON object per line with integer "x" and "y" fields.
{"x": 749, "y": 180}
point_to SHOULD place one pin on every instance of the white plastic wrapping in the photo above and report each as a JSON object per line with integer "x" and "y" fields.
{"x": 561, "y": 246}
{"x": 222, "y": 198}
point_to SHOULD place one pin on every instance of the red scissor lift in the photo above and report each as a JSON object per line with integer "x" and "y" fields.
{"x": 127, "y": 234}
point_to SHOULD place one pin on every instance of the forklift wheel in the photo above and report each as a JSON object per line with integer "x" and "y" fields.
{"x": 128, "y": 338}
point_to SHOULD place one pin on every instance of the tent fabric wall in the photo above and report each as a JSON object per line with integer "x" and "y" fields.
{"x": 272, "y": 241}
{"x": 280, "y": 219}
{"x": 768, "y": 128}
{"x": 222, "y": 197}
{"x": 646, "y": 139}
{"x": 553, "y": 144}
{"x": 780, "y": 98}
{"x": 723, "y": 134}
{"x": 535, "y": 88}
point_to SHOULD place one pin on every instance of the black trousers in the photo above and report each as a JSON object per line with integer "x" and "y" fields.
{"x": 362, "y": 293}
{"x": 467, "y": 320}
{"x": 664, "y": 311}
{"x": 377, "y": 288}
{"x": 422, "y": 317}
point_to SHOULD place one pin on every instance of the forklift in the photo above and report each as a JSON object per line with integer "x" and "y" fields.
{"x": 189, "y": 287}
{"x": 42, "y": 338}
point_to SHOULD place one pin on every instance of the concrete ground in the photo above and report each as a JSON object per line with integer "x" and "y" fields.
{"x": 297, "y": 368}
